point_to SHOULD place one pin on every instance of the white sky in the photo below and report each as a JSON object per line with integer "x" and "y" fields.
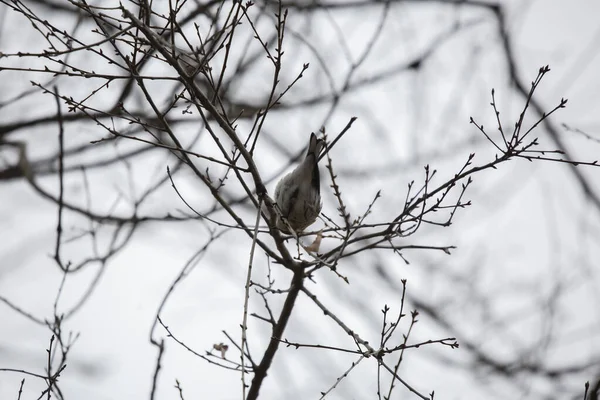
{"x": 530, "y": 233}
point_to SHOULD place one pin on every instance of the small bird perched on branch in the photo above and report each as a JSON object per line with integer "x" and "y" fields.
{"x": 298, "y": 194}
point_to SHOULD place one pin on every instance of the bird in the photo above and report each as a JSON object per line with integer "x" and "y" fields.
{"x": 298, "y": 194}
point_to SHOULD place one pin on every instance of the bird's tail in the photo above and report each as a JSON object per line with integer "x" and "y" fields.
{"x": 311, "y": 161}
{"x": 315, "y": 146}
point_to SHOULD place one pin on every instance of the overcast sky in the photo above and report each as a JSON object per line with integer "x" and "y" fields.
{"x": 521, "y": 285}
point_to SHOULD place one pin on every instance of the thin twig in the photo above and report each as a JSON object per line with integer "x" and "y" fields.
{"x": 247, "y": 298}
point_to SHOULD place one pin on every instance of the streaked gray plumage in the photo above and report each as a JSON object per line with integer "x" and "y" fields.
{"x": 298, "y": 194}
